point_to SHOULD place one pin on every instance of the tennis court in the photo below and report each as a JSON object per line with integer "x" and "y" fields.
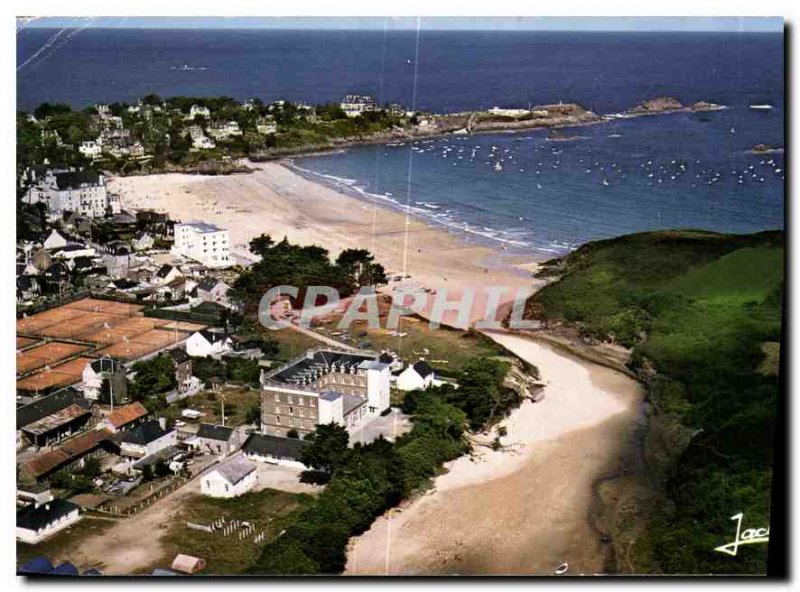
{"x": 59, "y": 376}
{"x": 48, "y": 354}
{"x": 143, "y": 344}
{"x": 121, "y": 309}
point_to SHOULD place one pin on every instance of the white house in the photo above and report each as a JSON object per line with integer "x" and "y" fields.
{"x": 143, "y": 241}
{"x": 98, "y": 370}
{"x": 55, "y": 240}
{"x": 37, "y": 522}
{"x": 266, "y": 125}
{"x": 90, "y": 149}
{"x": 275, "y": 450}
{"x": 224, "y": 129}
{"x": 418, "y": 376}
{"x": 205, "y": 343}
{"x": 355, "y": 105}
{"x": 147, "y": 438}
{"x": 215, "y": 439}
{"x": 211, "y": 290}
{"x": 82, "y": 192}
{"x": 204, "y": 243}
{"x": 166, "y": 274}
{"x": 196, "y": 110}
{"x": 230, "y": 479}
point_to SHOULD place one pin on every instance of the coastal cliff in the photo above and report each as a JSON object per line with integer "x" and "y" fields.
{"x": 704, "y": 449}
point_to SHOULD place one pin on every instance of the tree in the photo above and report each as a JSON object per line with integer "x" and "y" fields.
{"x": 327, "y": 448}
{"x": 153, "y": 377}
{"x": 360, "y": 267}
{"x": 293, "y": 434}
{"x": 253, "y": 414}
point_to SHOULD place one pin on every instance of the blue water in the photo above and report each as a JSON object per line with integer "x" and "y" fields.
{"x": 543, "y": 199}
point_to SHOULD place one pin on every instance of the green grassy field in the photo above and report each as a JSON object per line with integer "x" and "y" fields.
{"x": 267, "y": 510}
{"x": 702, "y": 313}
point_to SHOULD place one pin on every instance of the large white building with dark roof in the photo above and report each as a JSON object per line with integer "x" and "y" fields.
{"x": 323, "y": 386}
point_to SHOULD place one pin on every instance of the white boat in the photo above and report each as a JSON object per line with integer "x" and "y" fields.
{"x": 762, "y": 107}
{"x": 498, "y": 166}
{"x": 605, "y": 182}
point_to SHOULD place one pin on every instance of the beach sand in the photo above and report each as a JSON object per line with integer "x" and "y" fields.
{"x": 524, "y": 509}
{"x": 279, "y": 202}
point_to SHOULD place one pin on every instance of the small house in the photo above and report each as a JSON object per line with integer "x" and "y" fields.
{"x": 124, "y": 418}
{"x": 215, "y": 439}
{"x": 417, "y": 376}
{"x": 205, "y": 343}
{"x": 230, "y": 479}
{"x": 36, "y": 523}
{"x": 147, "y": 438}
{"x": 274, "y": 450}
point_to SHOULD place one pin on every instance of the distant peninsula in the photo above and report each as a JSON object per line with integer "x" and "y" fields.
{"x": 220, "y": 135}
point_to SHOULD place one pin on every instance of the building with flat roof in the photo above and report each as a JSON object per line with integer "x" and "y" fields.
{"x": 202, "y": 242}
{"x": 321, "y": 387}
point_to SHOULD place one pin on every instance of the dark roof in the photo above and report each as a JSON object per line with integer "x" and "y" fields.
{"x": 179, "y": 355}
{"x": 76, "y": 179}
{"x": 37, "y": 565}
{"x": 33, "y": 518}
{"x": 236, "y": 469}
{"x": 386, "y": 358}
{"x": 264, "y": 445}
{"x": 207, "y": 284}
{"x": 92, "y": 571}
{"x": 214, "y": 432}
{"x": 163, "y": 455}
{"x": 106, "y": 365}
{"x": 422, "y": 368}
{"x": 213, "y": 336}
{"x": 144, "y": 433}
{"x": 164, "y": 271}
{"x": 124, "y": 284}
{"x": 48, "y": 405}
{"x": 319, "y": 362}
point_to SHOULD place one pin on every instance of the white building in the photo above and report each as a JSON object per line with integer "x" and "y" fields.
{"x": 211, "y": 290}
{"x": 206, "y": 343}
{"x": 266, "y": 125}
{"x": 231, "y": 479}
{"x": 37, "y": 522}
{"x": 224, "y": 130}
{"x": 355, "y": 105}
{"x": 81, "y": 192}
{"x": 418, "y": 376}
{"x": 90, "y": 149}
{"x": 204, "y": 243}
{"x": 286, "y": 452}
{"x": 55, "y": 240}
{"x": 196, "y": 110}
{"x": 147, "y": 438}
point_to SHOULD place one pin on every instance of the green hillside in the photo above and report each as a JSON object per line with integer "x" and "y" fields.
{"x": 702, "y": 314}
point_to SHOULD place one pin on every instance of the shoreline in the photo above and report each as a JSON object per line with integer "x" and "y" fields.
{"x": 278, "y": 201}
{"x": 543, "y": 483}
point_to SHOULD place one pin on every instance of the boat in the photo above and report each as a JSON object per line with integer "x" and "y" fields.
{"x": 761, "y": 107}
{"x": 605, "y": 182}
{"x": 498, "y": 166}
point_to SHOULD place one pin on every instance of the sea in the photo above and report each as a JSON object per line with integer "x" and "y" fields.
{"x": 521, "y": 191}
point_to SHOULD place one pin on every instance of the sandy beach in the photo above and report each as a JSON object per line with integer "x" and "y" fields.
{"x": 524, "y": 509}
{"x": 279, "y": 202}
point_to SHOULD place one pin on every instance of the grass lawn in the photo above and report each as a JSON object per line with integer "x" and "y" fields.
{"x": 58, "y": 547}
{"x": 446, "y": 350}
{"x": 268, "y": 510}
{"x": 237, "y": 401}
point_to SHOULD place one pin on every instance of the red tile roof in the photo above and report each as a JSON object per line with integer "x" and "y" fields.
{"x": 124, "y": 415}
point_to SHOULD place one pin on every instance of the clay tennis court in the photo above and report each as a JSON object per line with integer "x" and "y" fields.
{"x": 142, "y": 345}
{"x": 63, "y": 375}
{"x": 183, "y": 326}
{"x": 23, "y": 342}
{"x": 122, "y": 309}
{"x": 128, "y": 328}
{"x": 36, "y": 323}
{"x": 48, "y": 354}
{"x": 86, "y": 322}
